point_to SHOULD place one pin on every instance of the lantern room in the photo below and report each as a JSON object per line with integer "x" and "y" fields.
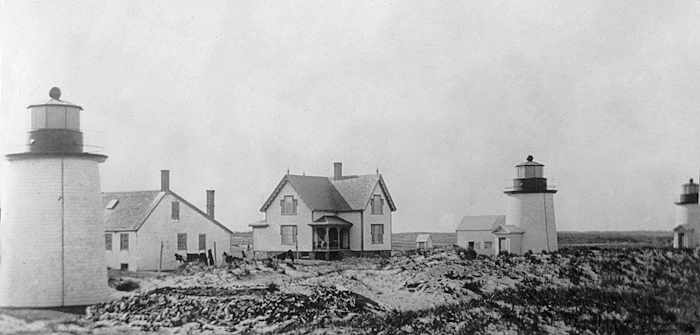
{"x": 55, "y": 126}
{"x": 529, "y": 178}
{"x": 690, "y": 193}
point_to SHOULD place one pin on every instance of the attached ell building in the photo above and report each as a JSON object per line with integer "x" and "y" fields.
{"x": 145, "y": 229}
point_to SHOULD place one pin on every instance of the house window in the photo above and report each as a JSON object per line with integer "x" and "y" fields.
{"x": 124, "y": 266}
{"x": 175, "y": 210}
{"x": 108, "y": 241}
{"x": 182, "y": 241}
{"x": 377, "y": 204}
{"x": 471, "y": 245}
{"x": 289, "y": 234}
{"x": 123, "y": 241}
{"x": 488, "y": 245}
{"x": 202, "y": 241}
{"x": 377, "y": 233}
{"x": 289, "y": 205}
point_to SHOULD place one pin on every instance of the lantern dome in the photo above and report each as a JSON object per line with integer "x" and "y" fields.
{"x": 689, "y": 194}
{"x": 529, "y": 178}
{"x": 55, "y": 126}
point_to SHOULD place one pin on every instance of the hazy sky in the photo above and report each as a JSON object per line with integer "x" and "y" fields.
{"x": 444, "y": 97}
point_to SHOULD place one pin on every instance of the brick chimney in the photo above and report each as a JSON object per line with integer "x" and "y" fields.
{"x": 337, "y": 170}
{"x": 164, "y": 180}
{"x": 210, "y": 203}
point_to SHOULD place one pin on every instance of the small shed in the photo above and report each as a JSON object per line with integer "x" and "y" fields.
{"x": 424, "y": 241}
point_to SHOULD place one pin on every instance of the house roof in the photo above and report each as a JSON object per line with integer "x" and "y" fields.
{"x": 324, "y": 194}
{"x": 686, "y": 227}
{"x": 328, "y": 220}
{"x": 423, "y": 238}
{"x": 509, "y": 229}
{"x": 481, "y": 222}
{"x": 132, "y": 209}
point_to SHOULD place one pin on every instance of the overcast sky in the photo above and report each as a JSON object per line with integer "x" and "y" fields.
{"x": 445, "y": 98}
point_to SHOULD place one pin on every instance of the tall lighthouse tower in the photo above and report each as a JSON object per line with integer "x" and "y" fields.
{"x": 51, "y": 229}
{"x": 531, "y": 208}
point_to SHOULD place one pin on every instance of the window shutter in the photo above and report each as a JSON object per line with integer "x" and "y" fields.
{"x": 381, "y": 209}
{"x": 294, "y": 210}
{"x": 282, "y": 204}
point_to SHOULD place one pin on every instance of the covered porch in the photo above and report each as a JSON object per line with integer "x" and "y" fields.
{"x": 331, "y": 237}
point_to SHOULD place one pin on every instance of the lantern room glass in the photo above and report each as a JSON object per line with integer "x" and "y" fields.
{"x": 690, "y": 188}
{"x": 55, "y": 117}
{"x": 39, "y": 117}
{"x": 530, "y": 171}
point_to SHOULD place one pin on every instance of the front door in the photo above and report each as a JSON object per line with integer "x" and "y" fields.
{"x": 680, "y": 240}
{"x": 502, "y": 244}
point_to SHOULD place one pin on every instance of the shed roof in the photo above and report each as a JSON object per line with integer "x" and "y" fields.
{"x": 259, "y": 224}
{"x": 508, "y": 229}
{"x": 329, "y": 220}
{"x": 423, "y": 238}
{"x": 481, "y": 222}
{"x": 685, "y": 227}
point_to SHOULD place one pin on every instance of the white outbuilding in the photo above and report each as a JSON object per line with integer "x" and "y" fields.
{"x": 424, "y": 241}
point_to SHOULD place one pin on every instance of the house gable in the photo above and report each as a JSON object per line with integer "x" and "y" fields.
{"x": 132, "y": 209}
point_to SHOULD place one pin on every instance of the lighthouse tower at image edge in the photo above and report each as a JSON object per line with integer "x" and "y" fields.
{"x": 531, "y": 208}
{"x": 51, "y": 229}
{"x": 686, "y": 234}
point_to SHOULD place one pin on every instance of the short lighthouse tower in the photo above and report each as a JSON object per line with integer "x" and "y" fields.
{"x": 530, "y": 212}
{"x": 687, "y": 231}
{"x": 51, "y": 233}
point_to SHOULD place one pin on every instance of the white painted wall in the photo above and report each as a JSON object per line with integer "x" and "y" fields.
{"x": 52, "y": 234}
{"x": 384, "y": 219}
{"x": 688, "y": 214}
{"x": 116, "y": 257}
{"x": 270, "y": 237}
{"x": 480, "y": 236}
{"x": 355, "y": 231}
{"x": 161, "y": 227}
{"x": 534, "y": 213}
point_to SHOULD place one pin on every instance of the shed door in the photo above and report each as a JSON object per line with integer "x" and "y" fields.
{"x": 680, "y": 240}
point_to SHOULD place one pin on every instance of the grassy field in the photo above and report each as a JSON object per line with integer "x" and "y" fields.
{"x": 407, "y": 241}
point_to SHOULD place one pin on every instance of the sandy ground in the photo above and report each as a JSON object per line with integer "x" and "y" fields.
{"x": 398, "y": 283}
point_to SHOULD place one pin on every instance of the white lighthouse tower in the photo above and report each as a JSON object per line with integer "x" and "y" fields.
{"x": 687, "y": 231}
{"x": 51, "y": 230}
{"x": 530, "y": 212}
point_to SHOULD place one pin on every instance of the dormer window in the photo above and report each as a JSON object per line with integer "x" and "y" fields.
{"x": 112, "y": 203}
{"x": 377, "y": 204}
{"x": 289, "y": 205}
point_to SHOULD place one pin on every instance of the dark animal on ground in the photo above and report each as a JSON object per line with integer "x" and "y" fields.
{"x": 179, "y": 258}
{"x": 230, "y": 259}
